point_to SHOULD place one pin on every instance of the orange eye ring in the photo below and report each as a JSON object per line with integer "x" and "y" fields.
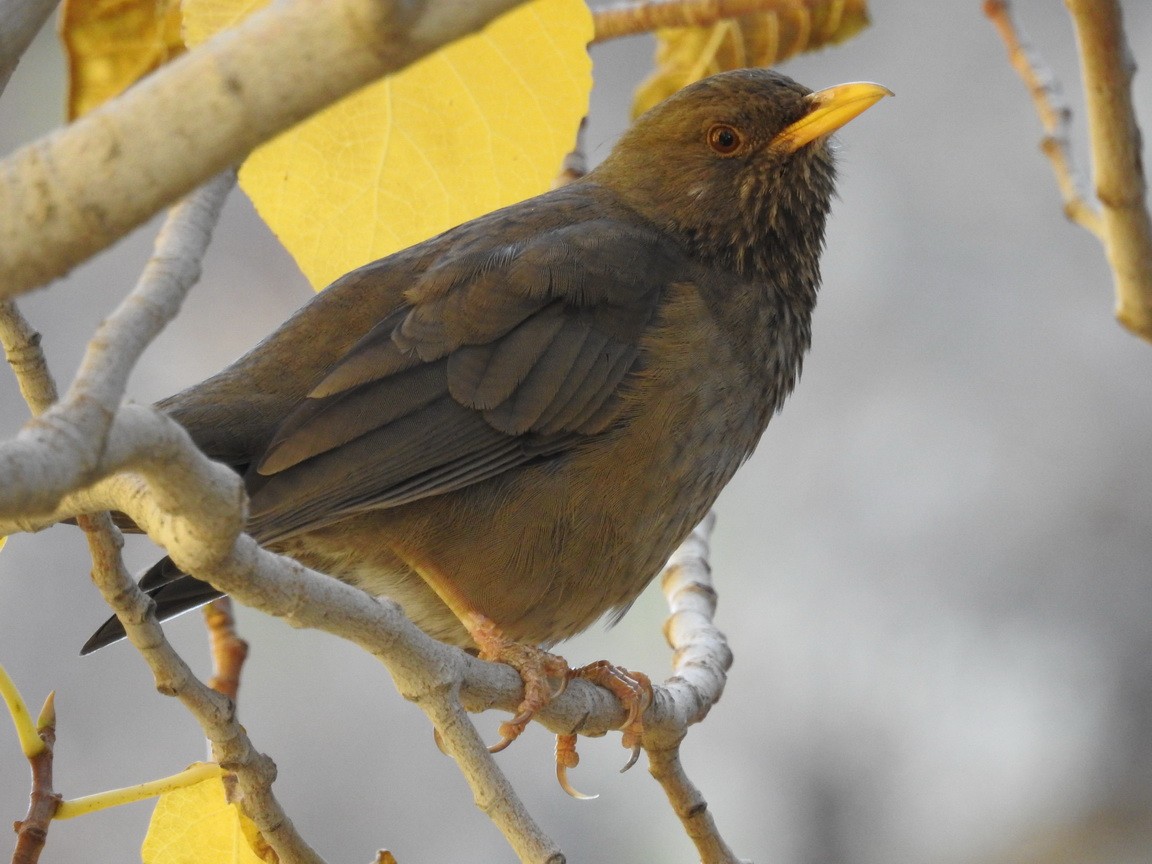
{"x": 725, "y": 139}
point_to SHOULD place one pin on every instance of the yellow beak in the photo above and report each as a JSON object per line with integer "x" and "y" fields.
{"x": 830, "y": 109}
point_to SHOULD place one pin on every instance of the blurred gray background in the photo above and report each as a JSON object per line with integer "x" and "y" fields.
{"x": 934, "y": 573}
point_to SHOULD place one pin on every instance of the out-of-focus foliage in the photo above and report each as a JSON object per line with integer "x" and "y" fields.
{"x": 687, "y": 54}
{"x": 110, "y": 44}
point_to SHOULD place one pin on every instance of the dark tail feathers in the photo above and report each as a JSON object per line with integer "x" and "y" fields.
{"x": 173, "y": 592}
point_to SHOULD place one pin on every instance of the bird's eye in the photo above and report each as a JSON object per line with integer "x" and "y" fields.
{"x": 725, "y": 139}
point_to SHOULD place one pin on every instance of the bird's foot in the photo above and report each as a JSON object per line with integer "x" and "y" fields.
{"x": 538, "y": 669}
{"x": 634, "y": 690}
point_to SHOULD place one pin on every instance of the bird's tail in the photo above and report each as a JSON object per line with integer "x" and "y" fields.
{"x": 171, "y": 589}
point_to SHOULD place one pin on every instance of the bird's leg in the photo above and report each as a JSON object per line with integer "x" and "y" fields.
{"x": 633, "y": 689}
{"x": 537, "y": 668}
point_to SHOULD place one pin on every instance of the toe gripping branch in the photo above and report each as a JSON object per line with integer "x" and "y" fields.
{"x": 539, "y": 669}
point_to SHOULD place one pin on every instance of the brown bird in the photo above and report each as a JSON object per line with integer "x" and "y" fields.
{"x": 509, "y": 427}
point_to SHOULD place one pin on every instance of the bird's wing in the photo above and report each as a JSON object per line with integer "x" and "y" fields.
{"x": 503, "y": 353}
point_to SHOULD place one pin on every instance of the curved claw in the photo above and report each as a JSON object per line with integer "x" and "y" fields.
{"x": 559, "y": 691}
{"x": 562, "y": 776}
{"x": 633, "y": 758}
{"x": 500, "y": 745}
{"x": 510, "y": 730}
{"x": 567, "y": 757}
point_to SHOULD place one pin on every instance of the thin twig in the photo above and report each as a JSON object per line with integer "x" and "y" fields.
{"x": 689, "y": 806}
{"x": 154, "y": 302}
{"x": 32, "y": 831}
{"x": 26, "y": 732}
{"x": 195, "y": 773}
{"x": 1055, "y": 115}
{"x": 229, "y": 651}
{"x": 231, "y": 747}
{"x": 491, "y": 790}
{"x": 22, "y": 351}
{"x": 1107, "y": 68}
{"x": 1122, "y": 224}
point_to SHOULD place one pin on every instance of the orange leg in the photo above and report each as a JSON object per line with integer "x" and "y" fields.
{"x": 537, "y": 668}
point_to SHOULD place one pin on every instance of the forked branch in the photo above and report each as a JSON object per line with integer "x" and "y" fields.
{"x": 1122, "y": 223}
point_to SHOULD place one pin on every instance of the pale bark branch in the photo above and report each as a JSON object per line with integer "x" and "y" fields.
{"x": 231, "y": 747}
{"x": 700, "y": 665}
{"x": 87, "y": 413}
{"x": 154, "y": 302}
{"x": 1054, "y": 113}
{"x": 22, "y": 351}
{"x": 74, "y": 192}
{"x": 1122, "y": 223}
{"x": 1107, "y": 68}
{"x": 191, "y": 526}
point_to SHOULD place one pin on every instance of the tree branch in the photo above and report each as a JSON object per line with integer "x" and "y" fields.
{"x": 700, "y": 665}
{"x": 88, "y": 410}
{"x": 1055, "y": 115}
{"x": 427, "y": 672}
{"x": 22, "y": 351}
{"x": 1122, "y": 225}
{"x": 74, "y": 192}
{"x": 32, "y": 831}
{"x": 231, "y": 747}
{"x": 1107, "y": 67}
{"x": 229, "y": 651}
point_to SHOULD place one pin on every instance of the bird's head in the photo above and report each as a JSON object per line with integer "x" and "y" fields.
{"x": 738, "y": 166}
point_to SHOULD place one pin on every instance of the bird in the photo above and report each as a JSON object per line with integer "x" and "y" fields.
{"x": 509, "y": 427}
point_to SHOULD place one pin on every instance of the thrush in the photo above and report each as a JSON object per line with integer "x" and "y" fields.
{"x": 509, "y": 427}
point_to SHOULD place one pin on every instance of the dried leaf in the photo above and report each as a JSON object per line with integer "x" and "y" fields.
{"x": 687, "y": 54}
{"x": 111, "y": 44}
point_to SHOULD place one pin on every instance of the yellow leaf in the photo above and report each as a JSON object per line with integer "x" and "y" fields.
{"x": 110, "y": 44}
{"x": 480, "y": 124}
{"x": 203, "y": 19}
{"x": 687, "y": 54}
{"x": 196, "y": 825}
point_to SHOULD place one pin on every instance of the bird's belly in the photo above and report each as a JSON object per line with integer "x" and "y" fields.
{"x": 543, "y": 553}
